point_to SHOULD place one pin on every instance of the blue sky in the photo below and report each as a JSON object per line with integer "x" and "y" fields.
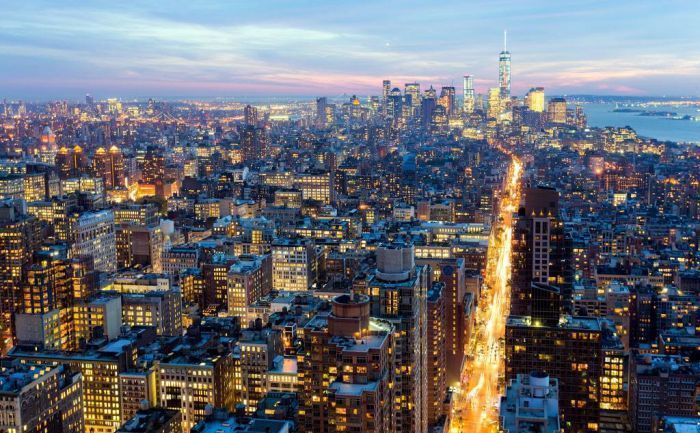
{"x": 295, "y": 47}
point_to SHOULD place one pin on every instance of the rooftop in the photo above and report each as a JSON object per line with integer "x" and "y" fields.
{"x": 149, "y": 420}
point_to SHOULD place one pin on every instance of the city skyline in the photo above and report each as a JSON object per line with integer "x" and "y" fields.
{"x": 272, "y": 49}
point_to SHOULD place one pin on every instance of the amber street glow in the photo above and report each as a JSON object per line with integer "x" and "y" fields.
{"x": 476, "y": 401}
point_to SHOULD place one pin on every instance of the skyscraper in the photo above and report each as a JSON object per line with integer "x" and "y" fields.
{"x": 447, "y": 100}
{"x": 386, "y": 90}
{"x": 397, "y": 293}
{"x": 556, "y": 110}
{"x": 110, "y": 166}
{"x": 347, "y": 369}
{"x": 321, "y": 104}
{"x": 250, "y": 114}
{"x": 534, "y": 99}
{"x": 413, "y": 90}
{"x": 539, "y": 249}
{"x": 495, "y": 106}
{"x": 253, "y": 143}
{"x": 468, "y": 94}
{"x": 504, "y": 69}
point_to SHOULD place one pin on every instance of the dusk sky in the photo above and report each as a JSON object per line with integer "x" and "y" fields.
{"x": 64, "y": 49}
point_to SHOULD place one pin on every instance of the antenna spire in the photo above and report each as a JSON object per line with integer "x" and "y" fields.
{"x": 505, "y": 40}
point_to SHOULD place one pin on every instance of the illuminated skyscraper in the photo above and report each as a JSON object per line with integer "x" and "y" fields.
{"x": 413, "y": 90}
{"x": 110, "y": 166}
{"x": 534, "y": 99}
{"x": 495, "y": 108}
{"x": 153, "y": 165}
{"x": 251, "y": 115}
{"x": 556, "y": 110}
{"x": 321, "y": 104}
{"x": 386, "y": 90}
{"x": 397, "y": 293}
{"x": 447, "y": 100}
{"x": 70, "y": 163}
{"x": 346, "y": 367}
{"x": 504, "y": 70}
{"x": 468, "y": 94}
{"x": 253, "y": 143}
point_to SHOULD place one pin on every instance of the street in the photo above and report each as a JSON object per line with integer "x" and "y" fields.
{"x": 475, "y": 408}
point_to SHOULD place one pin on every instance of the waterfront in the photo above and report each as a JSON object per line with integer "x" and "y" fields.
{"x": 601, "y": 115}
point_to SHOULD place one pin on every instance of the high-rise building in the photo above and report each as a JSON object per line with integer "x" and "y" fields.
{"x": 71, "y": 162}
{"x": 570, "y": 351}
{"x": 386, "y": 90}
{"x": 447, "y": 100}
{"x": 556, "y": 111}
{"x": 153, "y": 168}
{"x": 161, "y": 310}
{"x": 250, "y": 115}
{"x": 192, "y": 379}
{"x": 397, "y": 292}
{"x": 316, "y": 185}
{"x": 395, "y": 106}
{"x": 257, "y": 350}
{"x": 253, "y": 143}
{"x": 92, "y": 235}
{"x": 346, "y": 367}
{"x": 138, "y": 245}
{"x": 468, "y": 95}
{"x": 534, "y": 99}
{"x": 451, "y": 273}
{"x": 437, "y": 364}
{"x": 428, "y": 104}
{"x": 413, "y": 90}
{"x": 110, "y": 166}
{"x": 495, "y": 103}
{"x": 321, "y": 104}
{"x": 541, "y": 251}
{"x": 19, "y": 238}
{"x": 504, "y": 70}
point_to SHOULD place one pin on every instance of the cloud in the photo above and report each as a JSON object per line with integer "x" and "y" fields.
{"x": 277, "y": 47}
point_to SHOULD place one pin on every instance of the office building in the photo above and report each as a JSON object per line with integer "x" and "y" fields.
{"x": 294, "y": 264}
{"x": 159, "y": 309}
{"x": 534, "y": 99}
{"x": 556, "y": 111}
{"x": 192, "y": 379}
{"x": 92, "y": 235}
{"x": 100, "y": 370}
{"x": 468, "y": 94}
{"x": 249, "y": 279}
